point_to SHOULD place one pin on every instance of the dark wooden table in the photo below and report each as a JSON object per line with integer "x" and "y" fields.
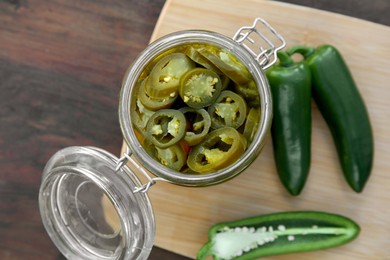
{"x": 61, "y": 66}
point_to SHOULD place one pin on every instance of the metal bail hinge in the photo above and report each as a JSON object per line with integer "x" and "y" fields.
{"x": 259, "y": 44}
{"x": 127, "y": 158}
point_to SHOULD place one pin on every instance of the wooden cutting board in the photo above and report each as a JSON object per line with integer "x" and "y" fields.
{"x": 184, "y": 215}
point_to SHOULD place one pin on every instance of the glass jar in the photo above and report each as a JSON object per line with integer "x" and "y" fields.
{"x": 94, "y": 206}
{"x": 80, "y": 187}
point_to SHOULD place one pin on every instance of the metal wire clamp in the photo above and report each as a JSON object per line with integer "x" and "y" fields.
{"x": 127, "y": 158}
{"x": 252, "y": 39}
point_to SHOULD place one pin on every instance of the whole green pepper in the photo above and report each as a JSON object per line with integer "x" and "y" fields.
{"x": 343, "y": 109}
{"x": 278, "y": 233}
{"x": 291, "y": 125}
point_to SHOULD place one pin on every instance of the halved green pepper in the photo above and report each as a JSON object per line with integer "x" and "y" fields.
{"x": 200, "y": 87}
{"x": 219, "y": 149}
{"x": 278, "y": 233}
{"x": 291, "y": 124}
{"x": 228, "y": 110}
{"x": 166, "y": 127}
{"x": 340, "y": 103}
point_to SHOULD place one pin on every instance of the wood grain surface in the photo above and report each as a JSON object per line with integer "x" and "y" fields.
{"x": 61, "y": 66}
{"x": 184, "y": 214}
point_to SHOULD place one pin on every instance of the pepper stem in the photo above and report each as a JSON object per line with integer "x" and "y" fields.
{"x": 204, "y": 251}
{"x": 284, "y": 59}
{"x": 305, "y": 51}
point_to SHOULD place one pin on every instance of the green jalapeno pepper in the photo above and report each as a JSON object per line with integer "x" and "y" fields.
{"x": 166, "y": 127}
{"x": 228, "y": 110}
{"x": 344, "y": 111}
{"x": 278, "y": 233}
{"x": 172, "y": 157}
{"x": 165, "y": 76}
{"x": 219, "y": 149}
{"x": 200, "y": 87}
{"x": 291, "y": 124}
{"x": 198, "y": 124}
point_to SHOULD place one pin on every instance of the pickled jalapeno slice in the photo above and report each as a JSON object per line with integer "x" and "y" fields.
{"x": 227, "y": 63}
{"x": 154, "y": 103}
{"x": 249, "y": 92}
{"x": 219, "y": 149}
{"x": 140, "y": 135}
{"x": 225, "y": 81}
{"x": 198, "y": 124}
{"x": 228, "y": 110}
{"x": 139, "y": 113}
{"x": 194, "y": 55}
{"x": 148, "y": 68}
{"x": 195, "y": 108}
{"x": 251, "y": 124}
{"x": 200, "y": 87}
{"x": 166, "y": 127}
{"x": 165, "y": 76}
{"x": 172, "y": 157}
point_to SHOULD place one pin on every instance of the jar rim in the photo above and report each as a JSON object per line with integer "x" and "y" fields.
{"x": 127, "y": 90}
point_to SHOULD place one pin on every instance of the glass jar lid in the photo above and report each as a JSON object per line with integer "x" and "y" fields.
{"x": 89, "y": 207}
